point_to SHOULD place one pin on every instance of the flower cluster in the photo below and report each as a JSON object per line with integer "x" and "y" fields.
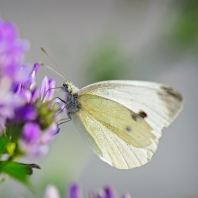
{"x": 74, "y": 191}
{"x": 27, "y": 114}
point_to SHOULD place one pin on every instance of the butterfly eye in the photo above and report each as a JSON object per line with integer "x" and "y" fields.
{"x": 65, "y": 86}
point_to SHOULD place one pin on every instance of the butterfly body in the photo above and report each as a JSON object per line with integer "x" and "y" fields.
{"x": 122, "y": 120}
{"x": 71, "y": 102}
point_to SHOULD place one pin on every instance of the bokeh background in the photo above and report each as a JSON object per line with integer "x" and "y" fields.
{"x": 151, "y": 40}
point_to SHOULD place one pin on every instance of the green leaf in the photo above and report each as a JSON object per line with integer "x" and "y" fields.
{"x": 18, "y": 171}
{"x": 14, "y": 132}
{"x": 29, "y": 168}
{"x": 3, "y": 143}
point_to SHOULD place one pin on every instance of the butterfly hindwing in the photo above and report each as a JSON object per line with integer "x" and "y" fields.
{"x": 118, "y": 135}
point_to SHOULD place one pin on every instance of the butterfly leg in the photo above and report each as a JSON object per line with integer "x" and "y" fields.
{"x": 62, "y": 102}
{"x": 64, "y": 120}
{"x": 49, "y": 90}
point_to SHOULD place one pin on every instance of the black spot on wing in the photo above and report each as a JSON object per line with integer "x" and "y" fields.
{"x": 142, "y": 114}
{"x": 172, "y": 92}
{"x": 128, "y": 128}
{"x": 134, "y": 116}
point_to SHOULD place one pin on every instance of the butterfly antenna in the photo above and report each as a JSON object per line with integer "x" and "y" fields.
{"x": 48, "y": 67}
{"x": 42, "y": 64}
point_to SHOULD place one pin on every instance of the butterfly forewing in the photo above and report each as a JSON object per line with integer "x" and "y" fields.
{"x": 161, "y": 104}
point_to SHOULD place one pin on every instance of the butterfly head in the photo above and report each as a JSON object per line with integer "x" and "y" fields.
{"x": 70, "y": 88}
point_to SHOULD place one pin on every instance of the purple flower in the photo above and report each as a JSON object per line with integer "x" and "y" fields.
{"x": 30, "y": 140}
{"x": 26, "y": 84}
{"x": 38, "y": 109}
{"x": 26, "y": 110}
{"x": 74, "y": 191}
{"x": 12, "y": 51}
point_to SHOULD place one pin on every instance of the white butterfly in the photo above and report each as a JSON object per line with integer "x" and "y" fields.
{"x": 122, "y": 120}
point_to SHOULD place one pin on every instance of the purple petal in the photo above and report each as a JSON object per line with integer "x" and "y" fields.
{"x": 12, "y": 50}
{"x": 44, "y": 88}
{"x": 16, "y": 87}
{"x": 8, "y": 31}
{"x": 31, "y": 78}
{"x": 49, "y": 134}
{"x": 35, "y": 94}
{"x": 51, "y": 83}
{"x": 25, "y": 113}
{"x": 26, "y": 95}
{"x": 6, "y": 112}
{"x": 21, "y": 73}
{"x": 31, "y": 133}
{"x": 109, "y": 192}
{"x": 74, "y": 191}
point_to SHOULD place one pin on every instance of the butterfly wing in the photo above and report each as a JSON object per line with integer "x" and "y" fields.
{"x": 116, "y": 120}
{"x": 161, "y": 103}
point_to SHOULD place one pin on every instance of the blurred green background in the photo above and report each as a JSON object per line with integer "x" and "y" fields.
{"x": 151, "y": 40}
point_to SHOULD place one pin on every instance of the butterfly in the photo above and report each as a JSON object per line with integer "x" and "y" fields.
{"x": 122, "y": 120}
